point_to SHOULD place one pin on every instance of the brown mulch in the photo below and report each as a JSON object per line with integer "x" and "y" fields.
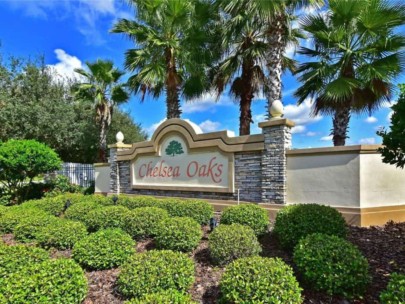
{"x": 384, "y": 247}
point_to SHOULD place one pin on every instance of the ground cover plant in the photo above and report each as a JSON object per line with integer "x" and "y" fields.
{"x": 383, "y": 247}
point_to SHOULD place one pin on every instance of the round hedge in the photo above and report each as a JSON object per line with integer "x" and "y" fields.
{"x": 259, "y": 280}
{"x": 395, "y": 291}
{"x": 143, "y": 222}
{"x": 104, "y": 249}
{"x": 250, "y": 215}
{"x": 331, "y": 264}
{"x": 28, "y": 227}
{"x": 133, "y": 202}
{"x": 12, "y": 217}
{"x": 178, "y": 233}
{"x": 106, "y": 217}
{"x": 198, "y": 210}
{"x": 62, "y": 234}
{"x": 52, "y": 281}
{"x": 15, "y": 258}
{"x": 297, "y": 221}
{"x": 50, "y": 205}
{"x": 73, "y": 198}
{"x": 80, "y": 211}
{"x": 155, "y": 271}
{"x": 231, "y": 242}
{"x": 164, "y": 297}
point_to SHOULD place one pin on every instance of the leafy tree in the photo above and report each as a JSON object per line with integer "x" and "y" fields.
{"x": 393, "y": 151}
{"x": 173, "y": 48}
{"x": 357, "y": 55}
{"x": 123, "y": 122}
{"x": 103, "y": 89}
{"x": 174, "y": 148}
{"x": 22, "y": 160}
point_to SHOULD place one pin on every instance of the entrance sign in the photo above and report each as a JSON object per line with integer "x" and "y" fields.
{"x": 176, "y": 166}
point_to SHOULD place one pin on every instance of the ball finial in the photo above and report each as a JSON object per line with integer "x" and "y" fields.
{"x": 119, "y": 137}
{"x": 276, "y": 109}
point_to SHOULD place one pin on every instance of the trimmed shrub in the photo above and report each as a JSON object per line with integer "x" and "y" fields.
{"x": 179, "y": 234}
{"x": 104, "y": 249}
{"x": 15, "y": 258}
{"x": 250, "y": 215}
{"x": 133, "y": 202}
{"x": 164, "y": 297}
{"x": 28, "y": 227}
{"x": 143, "y": 222}
{"x": 200, "y": 211}
{"x": 297, "y": 221}
{"x": 155, "y": 271}
{"x": 3, "y": 210}
{"x": 49, "y": 205}
{"x": 13, "y": 215}
{"x": 106, "y": 217}
{"x": 62, "y": 234}
{"x": 52, "y": 281}
{"x": 259, "y": 280}
{"x": 231, "y": 242}
{"x": 331, "y": 264}
{"x": 395, "y": 292}
{"x": 79, "y": 212}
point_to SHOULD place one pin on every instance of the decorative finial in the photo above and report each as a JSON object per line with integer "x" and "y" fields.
{"x": 119, "y": 137}
{"x": 276, "y": 109}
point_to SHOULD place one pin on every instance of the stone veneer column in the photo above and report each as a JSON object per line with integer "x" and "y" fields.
{"x": 277, "y": 139}
{"x": 115, "y": 174}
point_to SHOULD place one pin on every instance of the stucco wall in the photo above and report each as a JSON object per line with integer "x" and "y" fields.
{"x": 102, "y": 178}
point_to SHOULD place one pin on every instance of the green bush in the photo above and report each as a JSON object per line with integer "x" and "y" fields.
{"x": 13, "y": 215}
{"x": 106, "y": 217}
{"x": 331, "y": 264}
{"x": 179, "y": 234}
{"x": 395, "y": 292}
{"x": 259, "y": 280}
{"x": 164, "y": 297}
{"x": 79, "y": 212}
{"x": 49, "y": 205}
{"x": 22, "y": 160}
{"x": 250, "y": 215}
{"x": 15, "y": 258}
{"x": 297, "y": 221}
{"x": 52, "y": 281}
{"x": 104, "y": 249}
{"x": 28, "y": 227}
{"x": 60, "y": 185}
{"x": 62, "y": 234}
{"x": 3, "y": 210}
{"x": 133, "y": 202}
{"x": 155, "y": 271}
{"x": 143, "y": 222}
{"x": 201, "y": 211}
{"x": 231, "y": 242}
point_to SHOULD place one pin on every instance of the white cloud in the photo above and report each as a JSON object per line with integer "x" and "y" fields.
{"x": 387, "y": 104}
{"x": 310, "y": 133}
{"x": 207, "y": 102}
{"x": 66, "y": 65}
{"x": 209, "y": 126}
{"x": 301, "y": 114}
{"x": 371, "y": 119}
{"x": 327, "y": 138}
{"x": 150, "y": 130}
{"x": 367, "y": 141}
{"x": 298, "y": 129}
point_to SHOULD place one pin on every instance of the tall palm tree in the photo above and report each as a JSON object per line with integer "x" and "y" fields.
{"x": 102, "y": 88}
{"x": 355, "y": 58}
{"x": 244, "y": 50}
{"x": 171, "y": 55}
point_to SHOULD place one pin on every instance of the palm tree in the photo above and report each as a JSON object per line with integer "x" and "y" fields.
{"x": 355, "y": 58}
{"x": 102, "y": 88}
{"x": 171, "y": 55}
{"x": 244, "y": 46}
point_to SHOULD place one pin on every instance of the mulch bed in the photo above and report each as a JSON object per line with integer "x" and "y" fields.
{"x": 384, "y": 248}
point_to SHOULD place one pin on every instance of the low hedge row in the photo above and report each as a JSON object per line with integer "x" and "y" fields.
{"x": 164, "y": 297}
{"x": 106, "y": 217}
{"x": 144, "y": 222}
{"x": 29, "y": 227}
{"x": 14, "y": 215}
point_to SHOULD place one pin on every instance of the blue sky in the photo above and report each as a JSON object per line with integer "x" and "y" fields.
{"x": 71, "y": 32}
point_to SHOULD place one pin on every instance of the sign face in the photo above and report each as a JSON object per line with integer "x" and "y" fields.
{"x": 177, "y": 167}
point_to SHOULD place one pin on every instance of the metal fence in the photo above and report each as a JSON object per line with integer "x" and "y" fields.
{"x": 78, "y": 174}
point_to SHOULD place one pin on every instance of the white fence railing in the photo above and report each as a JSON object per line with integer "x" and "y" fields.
{"x": 78, "y": 174}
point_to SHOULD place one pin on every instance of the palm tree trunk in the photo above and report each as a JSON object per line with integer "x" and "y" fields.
{"x": 274, "y": 60}
{"x": 172, "y": 80}
{"x": 340, "y": 126}
{"x": 102, "y": 151}
{"x": 246, "y": 97}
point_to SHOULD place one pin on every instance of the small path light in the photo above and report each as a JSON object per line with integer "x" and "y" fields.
{"x": 213, "y": 223}
{"x": 115, "y": 199}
